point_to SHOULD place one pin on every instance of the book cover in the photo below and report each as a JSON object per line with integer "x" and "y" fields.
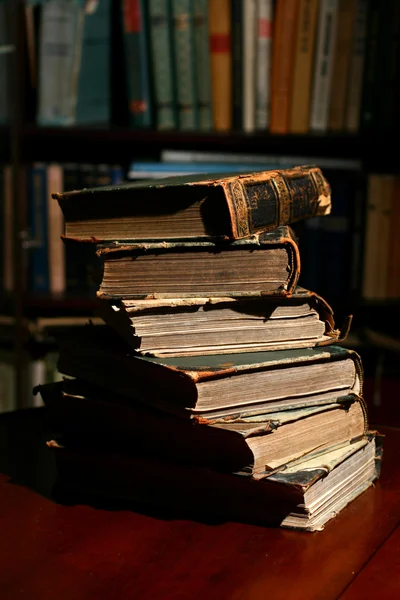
{"x": 61, "y": 36}
{"x": 56, "y": 247}
{"x": 282, "y": 64}
{"x": 5, "y": 64}
{"x": 231, "y": 206}
{"x": 137, "y": 62}
{"x": 264, "y": 55}
{"x": 237, "y": 64}
{"x": 250, "y": 22}
{"x": 162, "y": 67}
{"x": 303, "y": 66}
{"x": 202, "y": 64}
{"x": 184, "y": 59}
{"x": 371, "y": 91}
{"x": 220, "y": 25}
{"x": 323, "y": 65}
{"x": 356, "y": 69}
{"x": 38, "y": 218}
{"x": 94, "y": 87}
{"x": 341, "y": 63}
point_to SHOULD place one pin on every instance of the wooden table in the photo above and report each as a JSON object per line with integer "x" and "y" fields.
{"x": 53, "y": 552}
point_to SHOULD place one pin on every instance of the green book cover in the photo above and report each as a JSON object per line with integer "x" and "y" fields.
{"x": 184, "y": 56}
{"x": 137, "y": 62}
{"x": 202, "y": 58}
{"x": 162, "y": 64}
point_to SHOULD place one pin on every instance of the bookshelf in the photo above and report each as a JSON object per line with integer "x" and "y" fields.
{"x": 24, "y": 142}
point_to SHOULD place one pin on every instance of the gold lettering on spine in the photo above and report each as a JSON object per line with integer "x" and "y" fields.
{"x": 283, "y": 200}
{"x": 239, "y": 205}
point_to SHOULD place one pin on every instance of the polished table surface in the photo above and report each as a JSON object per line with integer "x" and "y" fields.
{"x": 51, "y": 551}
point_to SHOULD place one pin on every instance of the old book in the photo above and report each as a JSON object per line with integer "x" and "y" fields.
{"x": 356, "y": 68}
{"x": 376, "y": 253}
{"x": 302, "y": 66}
{"x": 393, "y": 273}
{"x": 56, "y": 248}
{"x": 161, "y": 62}
{"x": 219, "y": 15}
{"x": 184, "y": 63}
{"x": 211, "y": 386}
{"x": 249, "y": 25}
{"x": 264, "y": 264}
{"x": 305, "y": 496}
{"x": 257, "y": 445}
{"x": 196, "y": 206}
{"x": 189, "y": 326}
{"x": 237, "y": 64}
{"x": 323, "y": 65}
{"x": 263, "y": 59}
{"x": 282, "y": 64}
{"x": 341, "y": 63}
{"x": 137, "y": 60}
{"x": 202, "y": 64}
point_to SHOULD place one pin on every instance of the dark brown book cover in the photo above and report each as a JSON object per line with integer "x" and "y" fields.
{"x": 230, "y": 207}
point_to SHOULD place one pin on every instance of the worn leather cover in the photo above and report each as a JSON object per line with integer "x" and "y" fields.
{"x": 256, "y": 202}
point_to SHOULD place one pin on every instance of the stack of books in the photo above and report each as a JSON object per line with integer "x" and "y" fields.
{"x": 214, "y": 387}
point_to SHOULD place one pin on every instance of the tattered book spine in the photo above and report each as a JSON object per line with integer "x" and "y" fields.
{"x": 263, "y": 202}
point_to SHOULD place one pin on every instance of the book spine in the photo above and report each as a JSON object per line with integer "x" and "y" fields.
{"x": 39, "y": 263}
{"x": 184, "y": 48}
{"x": 56, "y": 248}
{"x": 282, "y": 65}
{"x": 8, "y": 221}
{"x": 262, "y": 202}
{"x": 74, "y": 280}
{"x": 237, "y": 65}
{"x": 356, "y": 69}
{"x": 160, "y": 26}
{"x": 385, "y": 215}
{"x": 94, "y": 89}
{"x": 137, "y": 63}
{"x": 389, "y": 85}
{"x": 221, "y": 63}
{"x": 117, "y": 174}
{"x": 202, "y": 64}
{"x": 372, "y": 237}
{"x": 302, "y": 66}
{"x": 263, "y": 62}
{"x": 4, "y": 64}
{"x": 371, "y": 89}
{"x": 326, "y": 36}
{"x": 393, "y": 277}
{"x": 61, "y": 32}
{"x": 341, "y": 63}
{"x": 249, "y": 64}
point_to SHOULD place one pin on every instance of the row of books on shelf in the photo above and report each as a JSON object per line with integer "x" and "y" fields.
{"x": 43, "y": 225}
{"x": 290, "y": 66}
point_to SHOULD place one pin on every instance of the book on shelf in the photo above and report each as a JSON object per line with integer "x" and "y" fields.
{"x": 249, "y": 48}
{"x": 304, "y": 497}
{"x": 323, "y": 65}
{"x": 184, "y": 63}
{"x": 190, "y": 326}
{"x": 356, "y": 68}
{"x": 263, "y": 63}
{"x": 228, "y": 207}
{"x": 257, "y": 445}
{"x": 220, "y": 24}
{"x": 299, "y": 117}
{"x": 202, "y": 64}
{"x": 282, "y": 64}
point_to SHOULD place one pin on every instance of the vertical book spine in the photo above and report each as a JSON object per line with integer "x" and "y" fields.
{"x": 137, "y": 63}
{"x": 162, "y": 64}
{"x": 39, "y": 263}
{"x": 326, "y": 36}
{"x": 282, "y": 67}
{"x": 184, "y": 46}
{"x": 221, "y": 63}
{"x": 263, "y": 75}
{"x": 202, "y": 64}
{"x": 249, "y": 64}
{"x": 356, "y": 69}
